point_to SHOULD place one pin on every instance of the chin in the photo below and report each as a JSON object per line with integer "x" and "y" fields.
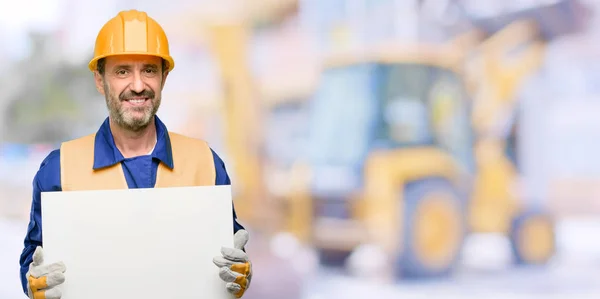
{"x": 136, "y": 124}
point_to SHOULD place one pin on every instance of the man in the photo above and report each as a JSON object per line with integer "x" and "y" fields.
{"x": 132, "y": 149}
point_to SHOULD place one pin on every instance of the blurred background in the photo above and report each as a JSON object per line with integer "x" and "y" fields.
{"x": 377, "y": 148}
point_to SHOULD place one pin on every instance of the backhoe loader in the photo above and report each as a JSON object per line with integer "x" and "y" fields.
{"x": 406, "y": 148}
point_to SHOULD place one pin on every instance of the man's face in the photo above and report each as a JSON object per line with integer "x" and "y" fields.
{"x": 132, "y": 86}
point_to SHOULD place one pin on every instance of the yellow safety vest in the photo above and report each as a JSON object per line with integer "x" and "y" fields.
{"x": 192, "y": 159}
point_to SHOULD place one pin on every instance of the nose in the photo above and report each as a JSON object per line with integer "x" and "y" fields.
{"x": 137, "y": 85}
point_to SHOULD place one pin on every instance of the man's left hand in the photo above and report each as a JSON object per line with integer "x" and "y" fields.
{"x": 235, "y": 266}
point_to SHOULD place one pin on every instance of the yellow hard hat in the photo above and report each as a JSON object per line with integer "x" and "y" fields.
{"x": 131, "y": 32}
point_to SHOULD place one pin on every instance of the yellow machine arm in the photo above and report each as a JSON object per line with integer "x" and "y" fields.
{"x": 228, "y": 38}
{"x": 241, "y": 108}
{"x": 499, "y": 66}
{"x": 500, "y": 76}
{"x": 513, "y": 50}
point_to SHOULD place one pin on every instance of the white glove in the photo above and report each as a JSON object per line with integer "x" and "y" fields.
{"x": 42, "y": 279}
{"x": 235, "y": 266}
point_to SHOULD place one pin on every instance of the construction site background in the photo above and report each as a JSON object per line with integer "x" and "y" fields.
{"x": 262, "y": 129}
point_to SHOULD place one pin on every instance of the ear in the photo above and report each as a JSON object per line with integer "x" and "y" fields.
{"x": 99, "y": 80}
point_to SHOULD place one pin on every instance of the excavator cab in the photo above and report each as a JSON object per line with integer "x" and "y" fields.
{"x": 384, "y": 104}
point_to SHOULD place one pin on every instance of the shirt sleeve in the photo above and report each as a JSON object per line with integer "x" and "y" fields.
{"x": 222, "y": 178}
{"x": 46, "y": 179}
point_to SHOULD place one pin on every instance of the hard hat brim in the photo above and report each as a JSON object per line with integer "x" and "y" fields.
{"x": 93, "y": 64}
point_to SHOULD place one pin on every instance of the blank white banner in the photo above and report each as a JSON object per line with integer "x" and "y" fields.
{"x": 139, "y": 243}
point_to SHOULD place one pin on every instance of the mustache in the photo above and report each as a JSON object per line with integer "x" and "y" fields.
{"x": 146, "y": 93}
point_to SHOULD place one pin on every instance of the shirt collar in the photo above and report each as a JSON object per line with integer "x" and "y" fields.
{"x": 107, "y": 154}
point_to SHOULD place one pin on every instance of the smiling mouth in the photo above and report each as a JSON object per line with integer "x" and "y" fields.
{"x": 137, "y": 101}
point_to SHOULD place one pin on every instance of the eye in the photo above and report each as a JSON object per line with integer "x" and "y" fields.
{"x": 150, "y": 71}
{"x": 121, "y": 72}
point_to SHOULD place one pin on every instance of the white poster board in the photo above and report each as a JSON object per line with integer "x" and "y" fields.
{"x": 139, "y": 243}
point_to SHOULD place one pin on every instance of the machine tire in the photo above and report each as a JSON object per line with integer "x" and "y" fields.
{"x": 532, "y": 238}
{"x": 426, "y": 202}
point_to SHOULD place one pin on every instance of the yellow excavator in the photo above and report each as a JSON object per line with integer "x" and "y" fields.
{"x": 407, "y": 148}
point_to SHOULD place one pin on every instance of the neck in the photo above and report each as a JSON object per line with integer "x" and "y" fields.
{"x": 133, "y": 144}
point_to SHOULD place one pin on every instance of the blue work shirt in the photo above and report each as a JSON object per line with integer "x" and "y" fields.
{"x": 140, "y": 172}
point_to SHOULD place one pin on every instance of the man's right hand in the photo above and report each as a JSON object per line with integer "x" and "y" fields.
{"x": 42, "y": 279}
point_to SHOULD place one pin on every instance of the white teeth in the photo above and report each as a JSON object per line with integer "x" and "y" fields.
{"x": 137, "y": 101}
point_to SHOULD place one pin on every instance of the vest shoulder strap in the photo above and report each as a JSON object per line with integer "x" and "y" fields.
{"x": 193, "y": 164}
{"x": 77, "y": 168}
